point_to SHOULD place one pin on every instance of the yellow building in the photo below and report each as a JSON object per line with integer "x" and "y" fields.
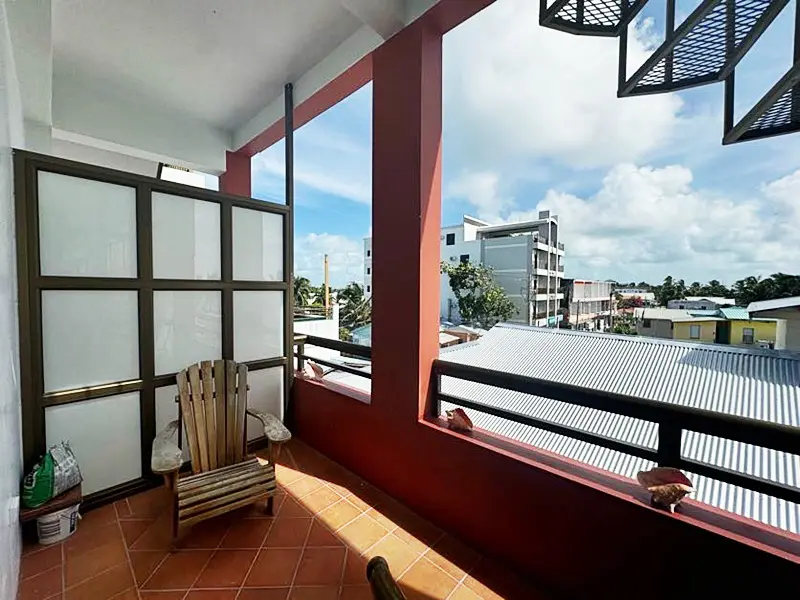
{"x": 695, "y": 330}
{"x": 724, "y": 326}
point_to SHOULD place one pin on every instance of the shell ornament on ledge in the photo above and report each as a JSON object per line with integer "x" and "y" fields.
{"x": 668, "y": 486}
{"x": 457, "y": 420}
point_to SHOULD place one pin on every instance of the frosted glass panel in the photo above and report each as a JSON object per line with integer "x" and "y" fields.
{"x": 257, "y": 245}
{"x": 185, "y": 238}
{"x": 266, "y": 395}
{"x": 86, "y": 228}
{"x": 89, "y": 337}
{"x": 104, "y": 434}
{"x": 188, "y": 329}
{"x": 257, "y": 325}
{"x": 166, "y": 411}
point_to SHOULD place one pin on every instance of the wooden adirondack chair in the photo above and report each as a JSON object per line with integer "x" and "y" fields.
{"x": 213, "y": 407}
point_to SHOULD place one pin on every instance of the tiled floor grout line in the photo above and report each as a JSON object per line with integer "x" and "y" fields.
{"x": 200, "y": 572}
{"x": 127, "y": 552}
{"x": 258, "y": 552}
{"x": 157, "y": 567}
{"x": 302, "y": 552}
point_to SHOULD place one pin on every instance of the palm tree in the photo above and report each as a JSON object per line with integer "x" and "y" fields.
{"x": 302, "y": 290}
{"x": 356, "y": 309}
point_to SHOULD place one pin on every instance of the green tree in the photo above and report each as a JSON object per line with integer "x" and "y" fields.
{"x": 715, "y": 288}
{"x": 481, "y": 301}
{"x": 624, "y": 324}
{"x": 696, "y": 289}
{"x": 302, "y": 288}
{"x": 356, "y": 309}
{"x": 669, "y": 290}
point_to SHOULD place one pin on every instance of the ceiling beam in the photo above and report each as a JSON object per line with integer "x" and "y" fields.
{"x": 346, "y": 55}
{"x": 89, "y": 113}
{"x": 384, "y": 17}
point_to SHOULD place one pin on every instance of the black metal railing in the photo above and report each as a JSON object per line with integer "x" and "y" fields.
{"x": 348, "y": 348}
{"x": 672, "y": 420}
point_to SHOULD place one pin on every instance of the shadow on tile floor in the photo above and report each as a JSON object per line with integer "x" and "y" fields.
{"x": 327, "y": 524}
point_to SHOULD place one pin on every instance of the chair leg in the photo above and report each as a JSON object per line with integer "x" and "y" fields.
{"x": 270, "y": 502}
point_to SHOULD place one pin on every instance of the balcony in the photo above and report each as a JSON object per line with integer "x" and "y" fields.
{"x": 110, "y": 308}
{"x": 328, "y": 523}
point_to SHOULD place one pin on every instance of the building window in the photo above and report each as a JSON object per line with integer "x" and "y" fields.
{"x": 368, "y": 270}
{"x": 694, "y": 332}
{"x": 464, "y": 258}
{"x": 748, "y": 335}
{"x": 369, "y": 252}
{"x": 367, "y": 288}
{"x": 450, "y": 240}
{"x": 647, "y": 323}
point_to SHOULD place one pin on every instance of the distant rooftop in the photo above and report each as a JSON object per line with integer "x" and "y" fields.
{"x": 792, "y": 302}
{"x": 715, "y": 299}
{"x": 676, "y": 315}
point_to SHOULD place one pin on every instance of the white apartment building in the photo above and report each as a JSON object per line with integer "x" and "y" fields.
{"x": 526, "y": 258}
{"x": 588, "y": 303}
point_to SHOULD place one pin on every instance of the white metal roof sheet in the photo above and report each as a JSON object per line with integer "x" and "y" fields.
{"x": 760, "y": 384}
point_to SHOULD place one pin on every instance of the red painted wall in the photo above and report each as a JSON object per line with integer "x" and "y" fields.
{"x": 569, "y": 535}
{"x": 237, "y": 175}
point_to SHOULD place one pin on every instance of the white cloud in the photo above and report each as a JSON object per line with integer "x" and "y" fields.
{"x": 345, "y": 258}
{"x": 647, "y": 222}
{"x": 515, "y": 90}
{"x": 333, "y": 153}
{"x": 481, "y": 189}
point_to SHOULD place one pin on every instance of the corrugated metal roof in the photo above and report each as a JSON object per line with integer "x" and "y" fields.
{"x": 760, "y": 384}
{"x": 773, "y": 304}
{"x": 703, "y": 312}
{"x": 735, "y": 312}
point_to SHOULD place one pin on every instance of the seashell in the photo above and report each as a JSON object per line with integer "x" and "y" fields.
{"x": 668, "y": 486}
{"x": 457, "y": 420}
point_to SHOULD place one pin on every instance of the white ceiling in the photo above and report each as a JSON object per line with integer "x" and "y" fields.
{"x": 218, "y": 61}
{"x": 182, "y": 81}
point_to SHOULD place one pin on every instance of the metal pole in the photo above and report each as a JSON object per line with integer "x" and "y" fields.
{"x": 327, "y": 286}
{"x": 288, "y": 247}
{"x": 611, "y": 311}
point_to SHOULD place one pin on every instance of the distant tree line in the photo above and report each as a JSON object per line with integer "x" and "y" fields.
{"x": 744, "y": 291}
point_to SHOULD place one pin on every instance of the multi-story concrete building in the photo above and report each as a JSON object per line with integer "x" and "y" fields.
{"x": 587, "y": 304}
{"x": 526, "y": 259}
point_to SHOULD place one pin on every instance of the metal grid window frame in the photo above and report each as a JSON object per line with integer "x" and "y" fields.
{"x": 31, "y": 284}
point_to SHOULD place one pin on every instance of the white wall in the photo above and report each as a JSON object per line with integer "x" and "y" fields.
{"x": 11, "y": 128}
{"x": 324, "y": 328}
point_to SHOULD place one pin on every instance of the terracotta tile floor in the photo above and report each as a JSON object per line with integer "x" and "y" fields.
{"x": 328, "y": 523}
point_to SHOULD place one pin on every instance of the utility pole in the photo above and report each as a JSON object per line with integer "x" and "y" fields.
{"x": 327, "y": 287}
{"x": 611, "y": 311}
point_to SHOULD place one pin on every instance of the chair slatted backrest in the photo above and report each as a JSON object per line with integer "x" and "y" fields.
{"x": 213, "y": 401}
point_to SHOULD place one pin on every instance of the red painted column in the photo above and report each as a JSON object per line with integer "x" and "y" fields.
{"x": 236, "y": 178}
{"x": 406, "y": 219}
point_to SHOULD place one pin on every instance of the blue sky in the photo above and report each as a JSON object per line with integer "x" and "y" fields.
{"x": 642, "y": 186}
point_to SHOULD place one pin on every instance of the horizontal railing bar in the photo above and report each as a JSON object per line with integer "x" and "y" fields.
{"x": 742, "y": 429}
{"x": 743, "y": 480}
{"x": 348, "y": 347}
{"x": 91, "y": 392}
{"x": 578, "y": 434}
{"x": 337, "y": 366}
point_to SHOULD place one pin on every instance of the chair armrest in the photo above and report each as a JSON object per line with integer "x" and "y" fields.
{"x": 166, "y": 456}
{"x": 273, "y": 428}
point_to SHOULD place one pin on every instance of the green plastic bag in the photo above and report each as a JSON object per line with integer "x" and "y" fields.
{"x": 37, "y": 488}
